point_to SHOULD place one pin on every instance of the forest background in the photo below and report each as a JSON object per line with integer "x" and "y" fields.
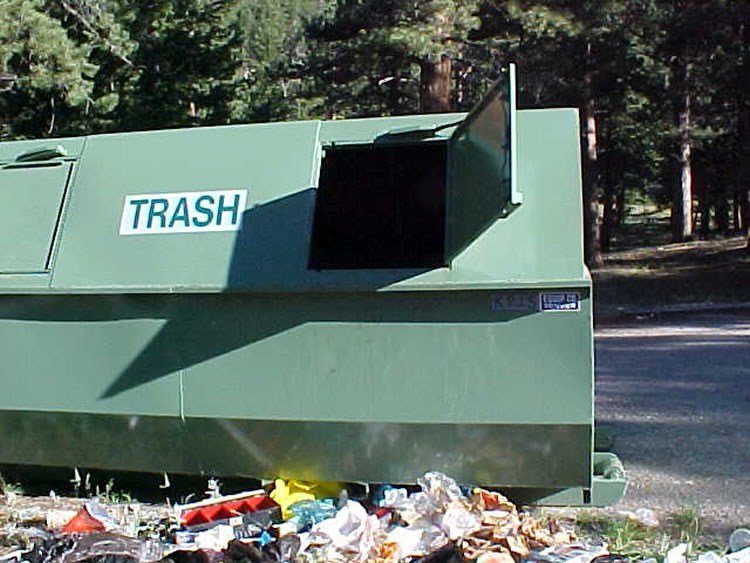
{"x": 661, "y": 85}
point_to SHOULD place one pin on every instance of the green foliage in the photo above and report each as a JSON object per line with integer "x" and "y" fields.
{"x": 71, "y": 67}
{"x": 185, "y": 63}
{"x": 44, "y": 69}
{"x": 372, "y": 57}
{"x": 275, "y": 54}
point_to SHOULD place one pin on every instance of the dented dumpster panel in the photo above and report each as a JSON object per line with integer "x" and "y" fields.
{"x": 357, "y": 300}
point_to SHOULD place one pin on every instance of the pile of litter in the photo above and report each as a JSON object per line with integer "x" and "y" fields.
{"x": 308, "y": 523}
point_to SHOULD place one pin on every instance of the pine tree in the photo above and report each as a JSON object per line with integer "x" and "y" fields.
{"x": 42, "y": 71}
{"x": 587, "y": 55}
{"x": 186, "y": 61}
{"x": 275, "y": 58}
{"x": 391, "y": 57}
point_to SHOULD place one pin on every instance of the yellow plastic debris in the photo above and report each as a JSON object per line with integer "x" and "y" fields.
{"x": 286, "y": 493}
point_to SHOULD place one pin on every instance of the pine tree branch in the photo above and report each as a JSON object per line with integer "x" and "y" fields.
{"x": 89, "y": 26}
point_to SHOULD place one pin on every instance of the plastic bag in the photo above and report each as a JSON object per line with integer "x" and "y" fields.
{"x": 350, "y": 535}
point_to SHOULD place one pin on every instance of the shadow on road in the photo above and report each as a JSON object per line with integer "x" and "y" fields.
{"x": 677, "y": 396}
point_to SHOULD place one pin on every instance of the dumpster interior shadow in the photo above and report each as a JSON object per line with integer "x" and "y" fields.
{"x": 272, "y": 253}
{"x": 269, "y": 290}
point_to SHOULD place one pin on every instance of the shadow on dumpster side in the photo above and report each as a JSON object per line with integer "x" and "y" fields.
{"x": 270, "y": 262}
{"x": 271, "y": 256}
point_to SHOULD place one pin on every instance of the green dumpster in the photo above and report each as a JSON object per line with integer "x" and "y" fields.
{"x": 355, "y": 300}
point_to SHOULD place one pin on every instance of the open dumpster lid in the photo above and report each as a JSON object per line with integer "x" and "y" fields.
{"x": 482, "y": 174}
{"x": 416, "y": 194}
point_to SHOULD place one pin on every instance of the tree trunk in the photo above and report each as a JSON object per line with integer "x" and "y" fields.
{"x": 722, "y": 211}
{"x": 591, "y": 220}
{"x": 610, "y": 171}
{"x": 737, "y": 221}
{"x": 609, "y": 219}
{"x": 620, "y": 206}
{"x": 435, "y": 86}
{"x": 743, "y": 124}
{"x": 745, "y": 214}
{"x": 705, "y": 212}
{"x": 682, "y": 199}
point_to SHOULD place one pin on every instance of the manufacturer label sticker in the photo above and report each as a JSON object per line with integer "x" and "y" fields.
{"x": 561, "y": 301}
{"x": 515, "y": 301}
{"x": 186, "y": 212}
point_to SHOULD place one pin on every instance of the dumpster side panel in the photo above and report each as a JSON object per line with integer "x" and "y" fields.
{"x": 550, "y": 457}
{"x": 60, "y": 354}
{"x": 415, "y": 358}
{"x": 445, "y": 376}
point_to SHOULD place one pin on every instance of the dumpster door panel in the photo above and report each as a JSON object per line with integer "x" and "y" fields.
{"x": 30, "y": 200}
{"x": 480, "y": 170}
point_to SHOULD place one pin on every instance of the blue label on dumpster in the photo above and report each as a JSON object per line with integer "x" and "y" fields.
{"x": 183, "y": 212}
{"x": 561, "y": 301}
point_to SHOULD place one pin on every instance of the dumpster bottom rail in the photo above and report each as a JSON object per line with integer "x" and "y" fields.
{"x": 607, "y": 487}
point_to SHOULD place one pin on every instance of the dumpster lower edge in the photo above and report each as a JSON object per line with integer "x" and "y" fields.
{"x": 551, "y": 456}
{"x": 607, "y": 487}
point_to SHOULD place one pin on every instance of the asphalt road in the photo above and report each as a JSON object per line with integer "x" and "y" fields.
{"x": 676, "y": 393}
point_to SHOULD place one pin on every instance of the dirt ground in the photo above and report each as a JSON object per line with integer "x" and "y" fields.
{"x": 699, "y": 272}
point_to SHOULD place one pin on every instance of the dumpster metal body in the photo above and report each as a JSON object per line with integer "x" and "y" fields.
{"x": 358, "y": 300}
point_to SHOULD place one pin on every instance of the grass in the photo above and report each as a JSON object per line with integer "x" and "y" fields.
{"x": 630, "y": 538}
{"x": 7, "y": 488}
{"x": 687, "y": 526}
{"x": 111, "y": 496}
{"x": 108, "y": 494}
{"x": 624, "y": 536}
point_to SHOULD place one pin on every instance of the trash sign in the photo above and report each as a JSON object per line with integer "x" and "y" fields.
{"x": 188, "y": 212}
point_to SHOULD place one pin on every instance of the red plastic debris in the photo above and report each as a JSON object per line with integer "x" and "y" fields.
{"x": 224, "y": 508}
{"x": 83, "y": 523}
